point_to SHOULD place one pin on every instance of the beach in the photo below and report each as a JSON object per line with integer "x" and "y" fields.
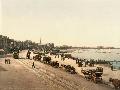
{"x": 107, "y": 72}
{"x": 77, "y": 81}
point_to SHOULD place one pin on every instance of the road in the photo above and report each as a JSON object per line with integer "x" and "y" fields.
{"x": 19, "y": 75}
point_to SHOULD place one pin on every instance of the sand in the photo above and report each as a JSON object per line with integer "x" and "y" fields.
{"x": 107, "y": 72}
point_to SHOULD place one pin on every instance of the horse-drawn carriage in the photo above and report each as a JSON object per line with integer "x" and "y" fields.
{"x": 87, "y": 74}
{"x": 69, "y": 68}
{"x": 97, "y": 77}
{"x": 46, "y": 59}
{"x": 15, "y": 55}
{"x": 37, "y": 57}
{"x": 54, "y": 64}
{"x": 94, "y": 75}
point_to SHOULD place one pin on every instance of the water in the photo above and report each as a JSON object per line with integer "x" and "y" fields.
{"x": 103, "y": 54}
{"x": 116, "y": 65}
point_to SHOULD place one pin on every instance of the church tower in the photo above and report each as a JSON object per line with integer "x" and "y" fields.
{"x": 40, "y": 41}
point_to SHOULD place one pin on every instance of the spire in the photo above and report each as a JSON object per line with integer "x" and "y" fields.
{"x": 40, "y": 41}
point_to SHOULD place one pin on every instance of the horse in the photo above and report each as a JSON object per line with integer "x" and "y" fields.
{"x": 115, "y": 82}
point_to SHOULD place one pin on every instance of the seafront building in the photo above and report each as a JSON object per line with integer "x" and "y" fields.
{"x": 8, "y": 44}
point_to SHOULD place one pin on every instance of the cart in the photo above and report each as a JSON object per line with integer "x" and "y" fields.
{"x": 97, "y": 77}
{"x": 16, "y": 55}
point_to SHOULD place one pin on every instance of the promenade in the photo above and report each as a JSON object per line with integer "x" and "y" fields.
{"x": 19, "y": 75}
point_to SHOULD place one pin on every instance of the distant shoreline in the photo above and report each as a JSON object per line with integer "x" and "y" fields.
{"x": 92, "y": 48}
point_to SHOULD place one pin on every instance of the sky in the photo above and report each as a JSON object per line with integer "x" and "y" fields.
{"x": 63, "y": 22}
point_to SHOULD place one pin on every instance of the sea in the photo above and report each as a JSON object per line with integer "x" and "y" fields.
{"x": 112, "y": 55}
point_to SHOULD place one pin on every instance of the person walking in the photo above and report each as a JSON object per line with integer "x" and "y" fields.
{"x": 5, "y": 61}
{"x": 112, "y": 67}
{"x": 33, "y": 65}
{"x": 8, "y": 61}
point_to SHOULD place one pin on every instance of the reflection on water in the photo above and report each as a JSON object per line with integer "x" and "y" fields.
{"x": 103, "y": 54}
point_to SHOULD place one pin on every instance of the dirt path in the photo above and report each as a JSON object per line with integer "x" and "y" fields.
{"x": 17, "y": 77}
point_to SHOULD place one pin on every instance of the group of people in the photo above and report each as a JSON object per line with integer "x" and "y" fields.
{"x": 28, "y": 54}
{"x": 60, "y": 55}
{"x": 7, "y": 61}
{"x": 28, "y": 57}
